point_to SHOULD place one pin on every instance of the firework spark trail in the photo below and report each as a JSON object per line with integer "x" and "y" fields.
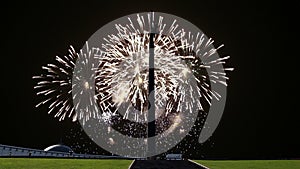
{"x": 83, "y": 85}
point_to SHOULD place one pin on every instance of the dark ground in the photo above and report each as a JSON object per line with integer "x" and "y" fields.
{"x": 164, "y": 164}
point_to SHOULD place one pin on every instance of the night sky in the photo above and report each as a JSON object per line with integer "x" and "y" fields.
{"x": 261, "y": 118}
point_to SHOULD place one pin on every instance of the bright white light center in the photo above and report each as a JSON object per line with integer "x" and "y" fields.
{"x": 86, "y": 85}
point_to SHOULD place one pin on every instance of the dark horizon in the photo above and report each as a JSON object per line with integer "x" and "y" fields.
{"x": 260, "y": 120}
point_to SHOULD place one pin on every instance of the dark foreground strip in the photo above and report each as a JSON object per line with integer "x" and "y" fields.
{"x": 164, "y": 164}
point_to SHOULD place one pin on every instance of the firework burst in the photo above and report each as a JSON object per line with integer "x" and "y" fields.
{"x": 57, "y": 87}
{"x": 109, "y": 82}
{"x": 54, "y": 85}
{"x": 122, "y": 75}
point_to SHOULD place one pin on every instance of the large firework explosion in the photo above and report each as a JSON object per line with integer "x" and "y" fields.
{"x": 54, "y": 85}
{"x": 116, "y": 79}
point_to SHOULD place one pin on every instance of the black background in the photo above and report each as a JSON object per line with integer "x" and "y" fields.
{"x": 261, "y": 118}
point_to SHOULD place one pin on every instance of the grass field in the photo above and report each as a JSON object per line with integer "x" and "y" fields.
{"x": 251, "y": 164}
{"x": 35, "y": 163}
